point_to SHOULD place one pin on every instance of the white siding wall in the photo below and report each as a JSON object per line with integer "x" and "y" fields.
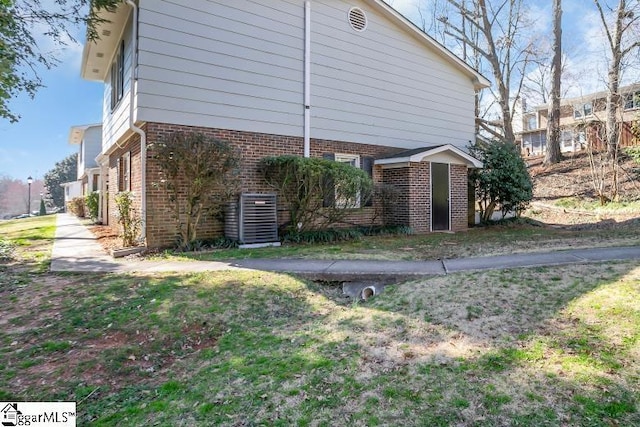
{"x": 222, "y": 64}
{"x": 239, "y": 65}
{"x": 381, "y": 86}
{"x": 92, "y": 146}
{"x": 116, "y": 122}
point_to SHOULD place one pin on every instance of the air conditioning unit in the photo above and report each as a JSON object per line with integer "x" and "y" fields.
{"x": 253, "y": 220}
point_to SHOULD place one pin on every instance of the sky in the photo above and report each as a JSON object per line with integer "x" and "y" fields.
{"x": 32, "y": 146}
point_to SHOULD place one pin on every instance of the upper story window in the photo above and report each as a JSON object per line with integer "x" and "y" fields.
{"x": 583, "y": 110}
{"x": 632, "y": 100}
{"x": 531, "y": 122}
{"x": 117, "y": 76}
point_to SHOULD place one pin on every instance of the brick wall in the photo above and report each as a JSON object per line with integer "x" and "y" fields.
{"x": 412, "y": 181}
{"x": 253, "y": 147}
{"x": 459, "y": 197}
{"x": 398, "y": 213}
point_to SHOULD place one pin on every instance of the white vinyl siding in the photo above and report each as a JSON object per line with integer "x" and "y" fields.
{"x": 381, "y": 86}
{"x": 116, "y": 120}
{"x": 233, "y": 65}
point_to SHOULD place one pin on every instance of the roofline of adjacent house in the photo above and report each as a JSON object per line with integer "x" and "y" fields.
{"x": 588, "y": 97}
{"x": 76, "y": 133}
{"x": 479, "y": 80}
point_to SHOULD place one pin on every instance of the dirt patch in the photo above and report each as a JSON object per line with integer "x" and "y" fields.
{"x": 107, "y": 237}
{"x": 572, "y": 178}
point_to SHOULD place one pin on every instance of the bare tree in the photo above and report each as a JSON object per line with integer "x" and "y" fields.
{"x": 494, "y": 31}
{"x": 553, "y": 154}
{"x": 621, "y": 25}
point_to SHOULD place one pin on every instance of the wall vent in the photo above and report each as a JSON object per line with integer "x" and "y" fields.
{"x": 254, "y": 220}
{"x": 357, "y": 19}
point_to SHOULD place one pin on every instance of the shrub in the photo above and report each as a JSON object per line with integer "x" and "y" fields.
{"x": 633, "y": 152}
{"x": 92, "y": 201}
{"x": 7, "y": 250}
{"x": 503, "y": 181}
{"x": 200, "y": 175}
{"x": 76, "y": 206}
{"x": 343, "y": 234}
{"x": 318, "y": 192}
{"x": 127, "y": 218}
{"x": 43, "y": 208}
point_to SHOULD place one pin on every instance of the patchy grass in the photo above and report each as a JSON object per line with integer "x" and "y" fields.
{"x": 531, "y": 347}
{"x": 515, "y": 236}
{"x": 596, "y": 206}
{"x": 32, "y": 238}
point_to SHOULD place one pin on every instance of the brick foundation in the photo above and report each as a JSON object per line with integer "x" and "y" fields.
{"x": 413, "y": 207}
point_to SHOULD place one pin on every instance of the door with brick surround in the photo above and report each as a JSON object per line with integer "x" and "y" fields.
{"x": 440, "y": 212}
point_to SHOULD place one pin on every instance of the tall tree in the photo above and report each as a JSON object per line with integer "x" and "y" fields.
{"x": 22, "y": 24}
{"x": 621, "y": 25}
{"x": 495, "y": 30}
{"x": 553, "y": 154}
{"x": 65, "y": 170}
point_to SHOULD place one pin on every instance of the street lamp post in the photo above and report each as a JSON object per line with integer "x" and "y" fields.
{"x": 29, "y": 181}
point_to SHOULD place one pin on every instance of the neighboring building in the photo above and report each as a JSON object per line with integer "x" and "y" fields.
{"x": 88, "y": 138}
{"x": 582, "y": 121}
{"x": 72, "y": 190}
{"x": 349, "y": 80}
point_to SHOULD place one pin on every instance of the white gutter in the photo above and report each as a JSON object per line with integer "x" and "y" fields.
{"x": 136, "y": 129}
{"x": 307, "y": 79}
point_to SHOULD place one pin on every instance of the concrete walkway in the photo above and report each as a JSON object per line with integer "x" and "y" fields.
{"x": 76, "y": 250}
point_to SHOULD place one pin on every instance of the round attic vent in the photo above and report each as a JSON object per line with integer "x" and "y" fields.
{"x": 357, "y": 19}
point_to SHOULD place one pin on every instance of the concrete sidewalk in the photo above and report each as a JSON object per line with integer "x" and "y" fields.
{"x": 76, "y": 250}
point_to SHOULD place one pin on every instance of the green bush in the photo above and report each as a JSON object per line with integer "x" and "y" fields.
{"x": 92, "y": 201}
{"x": 43, "y": 208}
{"x": 200, "y": 175}
{"x": 318, "y": 192}
{"x": 503, "y": 182}
{"x": 127, "y": 218}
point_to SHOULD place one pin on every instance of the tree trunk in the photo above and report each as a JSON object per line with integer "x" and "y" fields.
{"x": 553, "y": 154}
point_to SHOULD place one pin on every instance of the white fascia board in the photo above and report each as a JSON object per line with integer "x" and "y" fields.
{"x": 97, "y": 55}
{"x": 419, "y": 157}
{"x": 76, "y": 133}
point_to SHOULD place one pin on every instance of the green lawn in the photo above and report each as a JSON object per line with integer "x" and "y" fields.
{"x": 529, "y": 347}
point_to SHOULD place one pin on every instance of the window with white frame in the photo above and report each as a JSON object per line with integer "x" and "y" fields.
{"x": 632, "y": 100}
{"x": 117, "y": 76}
{"x": 531, "y": 122}
{"x": 340, "y": 201}
{"x": 567, "y": 138}
{"x": 582, "y": 110}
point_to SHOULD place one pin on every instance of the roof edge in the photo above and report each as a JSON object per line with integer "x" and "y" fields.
{"x": 479, "y": 81}
{"x": 420, "y": 156}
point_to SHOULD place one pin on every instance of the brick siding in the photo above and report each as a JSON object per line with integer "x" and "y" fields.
{"x": 413, "y": 181}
